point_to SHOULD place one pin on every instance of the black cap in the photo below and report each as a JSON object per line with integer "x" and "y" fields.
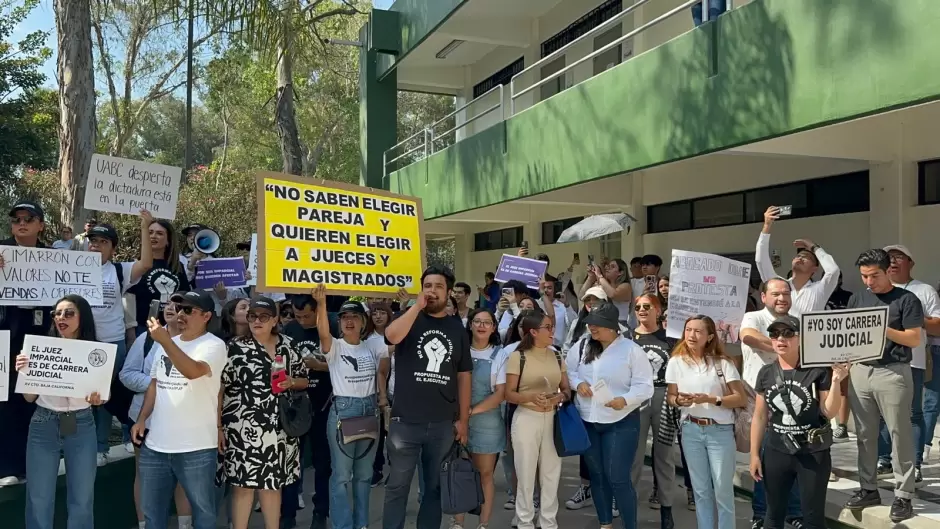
{"x": 196, "y": 298}
{"x": 263, "y": 303}
{"x": 243, "y": 246}
{"x": 352, "y": 307}
{"x": 787, "y": 322}
{"x": 604, "y": 314}
{"x": 192, "y": 227}
{"x": 28, "y": 206}
{"x": 104, "y": 230}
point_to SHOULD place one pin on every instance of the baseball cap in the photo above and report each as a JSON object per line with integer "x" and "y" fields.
{"x": 104, "y": 230}
{"x": 604, "y": 315}
{"x": 787, "y": 322}
{"x": 900, "y": 248}
{"x": 352, "y": 307}
{"x": 196, "y": 298}
{"x": 597, "y": 292}
{"x": 192, "y": 227}
{"x": 263, "y": 303}
{"x": 31, "y": 207}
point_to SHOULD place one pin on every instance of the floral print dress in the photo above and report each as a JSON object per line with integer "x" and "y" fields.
{"x": 258, "y": 454}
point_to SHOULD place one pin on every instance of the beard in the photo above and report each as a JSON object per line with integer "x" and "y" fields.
{"x": 434, "y": 307}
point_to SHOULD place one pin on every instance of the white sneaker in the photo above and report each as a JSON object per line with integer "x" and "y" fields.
{"x": 102, "y": 460}
{"x": 129, "y": 448}
{"x": 9, "y": 481}
{"x": 454, "y": 524}
{"x": 926, "y": 453}
{"x": 300, "y": 501}
{"x": 515, "y": 521}
{"x": 581, "y": 499}
{"x": 616, "y": 511}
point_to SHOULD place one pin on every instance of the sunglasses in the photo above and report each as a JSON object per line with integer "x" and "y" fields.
{"x": 786, "y": 334}
{"x": 22, "y": 220}
{"x": 287, "y": 314}
{"x": 186, "y": 309}
{"x": 65, "y": 314}
{"x": 642, "y": 306}
{"x": 263, "y": 318}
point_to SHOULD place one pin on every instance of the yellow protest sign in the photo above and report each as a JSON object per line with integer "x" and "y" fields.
{"x": 355, "y": 240}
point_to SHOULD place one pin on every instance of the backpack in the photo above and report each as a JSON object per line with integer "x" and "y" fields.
{"x": 119, "y": 272}
{"x": 742, "y": 416}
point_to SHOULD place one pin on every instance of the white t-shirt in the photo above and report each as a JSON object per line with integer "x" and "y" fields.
{"x": 186, "y": 412}
{"x": 485, "y": 354}
{"x": 62, "y": 245}
{"x": 353, "y": 367}
{"x": 61, "y": 404}
{"x": 928, "y": 298}
{"x": 695, "y": 378}
{"x": 109, "y": 317}
{"x": 502, "y": 359}
{"x": 754, "y": 359}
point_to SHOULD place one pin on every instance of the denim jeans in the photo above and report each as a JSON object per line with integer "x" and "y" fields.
{"x": 43, "y": 447}
{"x": 611, "y": 446}
{"x": 917, "y": 424}
{"x": 159, "y": 474}
{"x": 709, "y": 451}
{"x": 102, "y": 416}
{"x": 352, "y": 465}
{"x": 931, "y": 402}
{"x": 715, "y": 8}
{"x": 408, "y": 444}
{"x": 759, "y": 497}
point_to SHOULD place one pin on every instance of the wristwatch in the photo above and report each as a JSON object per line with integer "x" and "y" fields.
{"x": 718, "y": 401}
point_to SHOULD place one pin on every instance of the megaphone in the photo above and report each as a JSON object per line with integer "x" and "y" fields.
{"x": 206, "y": 241}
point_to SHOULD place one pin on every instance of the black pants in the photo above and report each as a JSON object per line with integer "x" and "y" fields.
{"x": 14, "y": 416}
{"x": 812, "y": 471}
{"x": 379, "y": 465}
{"x": 320, "y": 449}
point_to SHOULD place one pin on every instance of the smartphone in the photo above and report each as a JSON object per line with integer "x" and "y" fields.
{"x": 651, "y": 283}
{"x": 577, "y": 258}
{"x": 785, "y": 211}
{"x": 590, "y": 260}
{"x": 154, "y": 310}
{"x": 140, "y": 442}
{"x": 525, "y": 245}
{"x": 508, "y": 292}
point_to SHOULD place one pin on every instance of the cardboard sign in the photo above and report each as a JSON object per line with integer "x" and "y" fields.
{"x": 229, "y": 270}
{"x": 529, "y": 271}
{"x": 128, "y": 186}
{"x": 354, "y": 240}
{"x": 5, "y": 366}
{"x": 704, "y": 283}
{"x": 66, "y": 368}
{"x": 846, "y": 335}
{"x": 42, "y": 276}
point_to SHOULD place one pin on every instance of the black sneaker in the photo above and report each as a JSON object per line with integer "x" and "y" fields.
{"x": 918, "y": 475}
{"x": 665, "y": 518}
{"x": 840, "y": 432}
{"x": 654, "y": 499}
{"x": 795, "y": 523}
{"x": 884, "y": 467}
{"x": 377, "y": 479}
{"x": 757, "y": 523}
{"x": 318, "y": 521}
{"x": 901, "y": 510}
{"x": 863, "y": 498}
{"x": 288, "y": 523}
{"x": 690, "y": 497}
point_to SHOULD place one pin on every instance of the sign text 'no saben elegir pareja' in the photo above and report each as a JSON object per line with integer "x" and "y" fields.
{"x": 355, "y": 240}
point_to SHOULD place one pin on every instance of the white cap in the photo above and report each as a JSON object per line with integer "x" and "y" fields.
{"x": 597, "y": 292}
{"x": 900, "y": 248}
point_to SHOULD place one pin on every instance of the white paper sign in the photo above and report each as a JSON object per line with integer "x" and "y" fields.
{"x": 128, "y": 186}
{"x": 601, "y": 393}
{"x": 703, "y": 283}
{"x": 846, "y": 335}
{"x": 253, "y": 261}
{"x": 5, "y": 366}
{"x": 42, "y": 276}
{"x": 66, "y": 368}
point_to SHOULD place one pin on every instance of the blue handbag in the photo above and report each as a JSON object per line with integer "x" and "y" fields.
{"x": 571, "y": 437}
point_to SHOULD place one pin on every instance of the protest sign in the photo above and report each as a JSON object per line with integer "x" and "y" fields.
{"x": 253, "y": 261}
{"x": 354, "y": 240}
{"x": 229, "y": 270}
{"x": 59, "y": 367}
{"x": 42, "y": 276}
{"x": 845, "y": 335}
{"x": 529, "y": 271}
{"x": 5, "y": 366}
{"x": 128, "y": 186}
{"x": 703, "y": 283}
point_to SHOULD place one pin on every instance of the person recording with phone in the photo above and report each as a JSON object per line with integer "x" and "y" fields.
{"x": 613, "y": 278}
{"x": 508, "y": 307}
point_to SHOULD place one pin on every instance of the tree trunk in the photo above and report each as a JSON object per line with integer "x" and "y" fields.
{"x": 76, "y": 105}
{"x": 285, "y": 121}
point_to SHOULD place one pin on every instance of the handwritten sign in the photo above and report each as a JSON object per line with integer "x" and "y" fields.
{"x": 354, "y": 240}
{"x": 5, "y": 366}
{"x": 128, "y": 186}
{"x": 66, "y": 368}
{"x": 529, "y": 271}
{"x": 42, "y": 276}
{"x": 846, "y": 335}
{"x": 229, "y": 270}
{"x": 703, "y": 283}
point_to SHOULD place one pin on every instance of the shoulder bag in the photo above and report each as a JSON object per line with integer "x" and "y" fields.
{"x": 742, "y": 416}
{"x": 569, "y": 433}
{"x": 293, "y": 407}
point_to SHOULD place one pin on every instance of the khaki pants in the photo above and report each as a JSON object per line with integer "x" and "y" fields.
{"x": 534, "y": 447}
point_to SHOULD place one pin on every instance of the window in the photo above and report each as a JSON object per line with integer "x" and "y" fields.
{"x": 611, "y": 245}
{"x": 928, "y": 176}
{"x": 832, "y": 195}
{"x": 501, "y": 77}
{"x": 498, "y": 239}
{"x": 611, "y": 57}
{"x": 551, "y": 230}
{"x": 557, "y": 84}
{"x": 579, "y": 27}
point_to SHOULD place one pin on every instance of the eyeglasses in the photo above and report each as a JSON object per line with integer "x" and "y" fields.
{"x": 550, "y": 327}
{"x": 642, "y": 306}
{"x": 482, "y": 323}
{"x": 22, "y": 220}
{"x": 65, "y": 314}
{"x": 263, "y": 318}
{"x": 786, "y": 334}
{"x": 897, "y": 257}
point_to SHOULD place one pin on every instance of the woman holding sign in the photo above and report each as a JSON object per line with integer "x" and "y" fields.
{"x": 799, "y": 401}
{"x": 166, "y": 277}
{"x": 62, "y": 425}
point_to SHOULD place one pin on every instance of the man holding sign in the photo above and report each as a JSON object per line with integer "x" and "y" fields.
{"x": 884, "y": 387}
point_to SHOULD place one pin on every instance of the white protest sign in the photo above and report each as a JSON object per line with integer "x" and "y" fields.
{"x": 128, "y": 186}
{"x": 253, "y": 261}
{"x": 5, "y": 366}
{"x": 846, "y": 335}
{"x": 42, "y": 276}
{"x": 703, "y": 283}
{"x": 66, "y": 368}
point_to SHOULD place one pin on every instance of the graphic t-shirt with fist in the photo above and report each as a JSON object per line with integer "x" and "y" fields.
{"x": 800, "y": 389}
{"x": 158, "y": 283}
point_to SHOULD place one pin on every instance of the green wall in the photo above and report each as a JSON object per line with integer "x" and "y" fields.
{"x": 767, "y": 69}
{"x": 421, "y": 17}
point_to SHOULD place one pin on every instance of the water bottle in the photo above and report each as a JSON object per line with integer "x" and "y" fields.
{"x": 278, "y": 373}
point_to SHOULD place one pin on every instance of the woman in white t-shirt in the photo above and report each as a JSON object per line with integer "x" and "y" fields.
{"x": 62, "y": 425}
{"x": 353, "y": 363}
{"x": 703, "y": 382}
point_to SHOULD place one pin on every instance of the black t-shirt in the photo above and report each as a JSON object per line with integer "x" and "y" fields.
{"x": 838, "y": 300}
{"x": 158, "y": 283}
{"x": 307, "y": 343}
{"x": 657, "y": 347}
{"x": 904, "y": 312}
{"x": 426, "y": 365}
{"x": 802, "y": 386}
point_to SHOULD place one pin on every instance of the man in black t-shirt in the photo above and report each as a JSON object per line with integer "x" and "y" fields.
{"x": 432, "y": 398}
{"x": 883, "y": 387}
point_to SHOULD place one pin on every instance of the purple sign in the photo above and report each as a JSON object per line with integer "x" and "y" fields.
{"x": 229, "y": 270}
{"x": 529, "y": 271}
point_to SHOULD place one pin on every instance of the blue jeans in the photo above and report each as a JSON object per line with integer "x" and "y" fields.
{"x": 931, "y": 401}
{"x": 759, "y": 497}
{"x": 715, "y": 8}
{"x": 709, "y": 451}
{"x": 408, "y": 444}
{"x": 352, "y": 465}
{"x": 43, "y": 447}
{"x": 611, "y": 446}
{"x": 102, "y": 416}
{"x": 159, "y": 474}
{"x": 917, "y": 424}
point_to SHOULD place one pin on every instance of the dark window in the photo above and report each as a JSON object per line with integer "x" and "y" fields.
{"x": 498, "y": 239}
{"x": 611, "y": 57}
{"x": 832, "y": 195}
{"x": 557, "y": 84}
{"x": 501, "y": 77}
{"x": 579, "y": 27}
{"x": 928, "y": 176}
{"x": 551, "y": 230}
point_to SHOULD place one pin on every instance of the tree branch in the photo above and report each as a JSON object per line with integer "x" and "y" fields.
{"x": 105, "y": 59}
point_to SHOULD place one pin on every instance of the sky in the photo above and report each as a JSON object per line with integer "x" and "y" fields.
{"x": 42, "y": 19}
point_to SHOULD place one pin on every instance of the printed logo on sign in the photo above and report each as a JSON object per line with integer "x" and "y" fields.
{"x": 97, "y": 358}
{"x": 435, "y": 348}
